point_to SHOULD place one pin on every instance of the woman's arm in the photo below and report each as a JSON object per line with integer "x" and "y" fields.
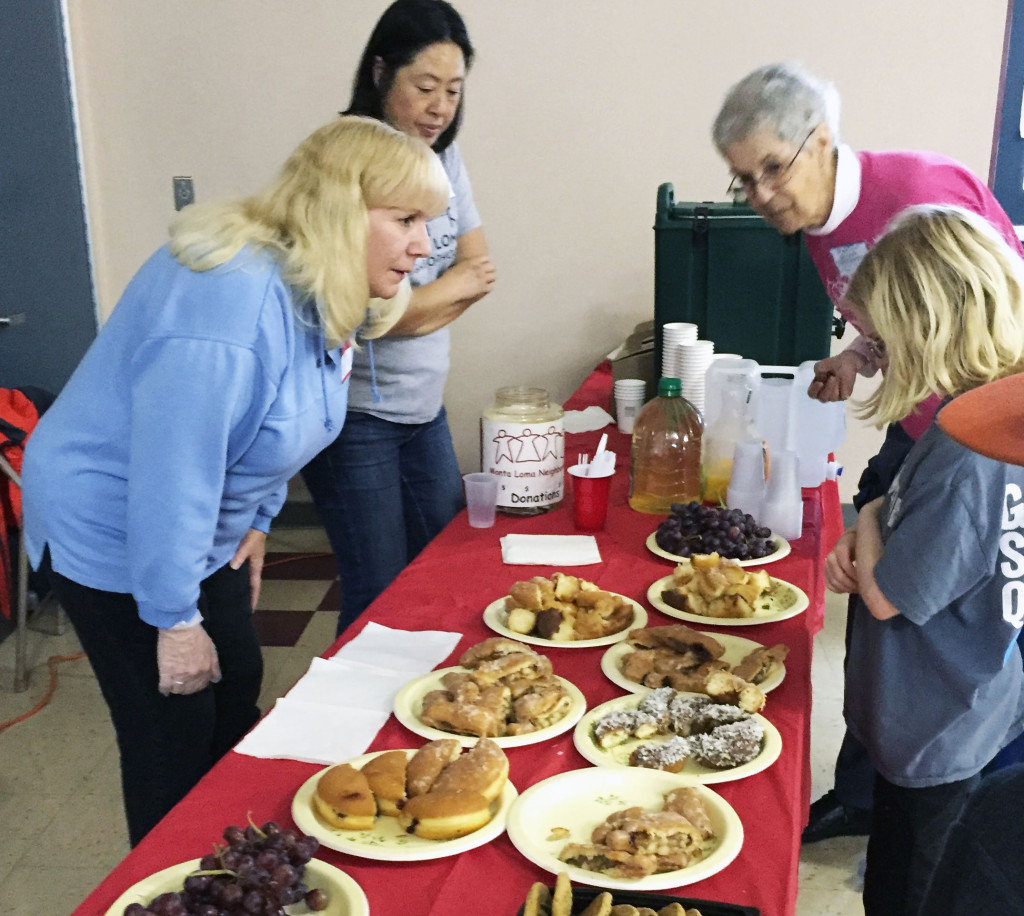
{"x": 869, "y": 551}
{"x": 440, "y": 302}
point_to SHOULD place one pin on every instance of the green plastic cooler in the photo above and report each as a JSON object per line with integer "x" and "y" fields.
{"x": 747, "y": 288}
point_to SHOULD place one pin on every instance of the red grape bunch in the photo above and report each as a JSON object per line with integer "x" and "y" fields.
{"x": 693, "y": 528}
{"x": 258, "y": 873}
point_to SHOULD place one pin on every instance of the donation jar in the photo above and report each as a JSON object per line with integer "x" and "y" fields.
{"x": 522, "y": 443}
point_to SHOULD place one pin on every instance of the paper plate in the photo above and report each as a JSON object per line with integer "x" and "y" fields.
{"x": 782, "y": 549}
{"x": 387, "y": 842}
{"x": 692, "y": 772}
{"x": 496, "y": 617}
{"x": 736, "y": 649}
{"x": 409, "y": 702}
{"x": 579, "y": 800}
{"x": 346, "y": 898}
{"x": 782, "y": 601}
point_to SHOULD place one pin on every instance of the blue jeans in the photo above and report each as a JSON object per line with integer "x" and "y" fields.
{"x": 383, "y": 491}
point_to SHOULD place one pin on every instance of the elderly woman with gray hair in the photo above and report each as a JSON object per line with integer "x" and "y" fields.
{"x": 778, "y": 130}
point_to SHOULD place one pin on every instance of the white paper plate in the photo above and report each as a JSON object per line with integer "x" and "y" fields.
{"x": 692, "y": 771}
{"x": 581, "y": 799}
{"x": 387, "y": 842}
{"x": 345, "y": 896}
{"x": 782, "y": 601}
{"x": 409, "y": 702}
{"x": 496, "y": 617}
{"x": 782, "y": 549}
{"x": 736, "y": 649}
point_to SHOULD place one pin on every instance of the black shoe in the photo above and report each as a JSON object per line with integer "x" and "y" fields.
{"x": 830, "y": 817}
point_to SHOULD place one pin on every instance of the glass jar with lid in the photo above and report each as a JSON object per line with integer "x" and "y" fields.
{"x": 522, "y": 442}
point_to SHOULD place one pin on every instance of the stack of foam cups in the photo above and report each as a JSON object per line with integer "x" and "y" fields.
{"x": 629, "y": 398}
{"x": 783, "y": 501}
{"x": 672, "y": 334}
{"x": 746, "y": 483}
{"x": 693, "y": 361}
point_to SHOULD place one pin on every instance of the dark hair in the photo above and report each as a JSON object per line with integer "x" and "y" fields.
{"x": 404, "y": 29}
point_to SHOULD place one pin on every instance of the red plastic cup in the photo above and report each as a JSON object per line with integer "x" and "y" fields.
{"x": 589, "y": 499}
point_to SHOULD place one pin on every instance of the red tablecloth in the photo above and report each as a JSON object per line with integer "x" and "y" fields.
{"x": 447, "y": 588}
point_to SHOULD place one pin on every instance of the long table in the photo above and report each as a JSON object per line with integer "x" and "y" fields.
{"x": 446, "y": 588}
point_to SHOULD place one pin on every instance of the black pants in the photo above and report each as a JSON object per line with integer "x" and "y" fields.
{"x": 980, "y": 869}
{"x": 168, "y": 743}
{"x": 909, "y": 828}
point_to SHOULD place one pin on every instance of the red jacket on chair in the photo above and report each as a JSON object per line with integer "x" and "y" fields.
{"x": 18, "y": 417}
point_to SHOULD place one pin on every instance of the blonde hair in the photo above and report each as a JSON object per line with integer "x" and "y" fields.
{"x": 313, "y": 219}
{"x": 945, "y": 293}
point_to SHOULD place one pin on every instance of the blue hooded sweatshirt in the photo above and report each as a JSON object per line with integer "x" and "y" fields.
{"x": 200, "y": 398}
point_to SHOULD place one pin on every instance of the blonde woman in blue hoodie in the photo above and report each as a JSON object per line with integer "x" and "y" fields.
{"x": 152, "y": 480}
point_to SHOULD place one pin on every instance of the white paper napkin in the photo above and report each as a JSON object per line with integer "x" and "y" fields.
{"x": 336, "y": 709}
{"x": 586, "y": 420}
{"x": 549, "y": 549}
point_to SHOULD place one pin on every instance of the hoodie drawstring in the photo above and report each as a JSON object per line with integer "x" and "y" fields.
{"x": 377, "y": 396}
{"x": 321, "y": 360}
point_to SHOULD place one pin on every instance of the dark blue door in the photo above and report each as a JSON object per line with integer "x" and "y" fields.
{"x": 47, "y": 310}
{"x": 1008, "y": 178}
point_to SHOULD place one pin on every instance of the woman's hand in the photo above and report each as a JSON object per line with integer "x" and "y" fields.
{"x": 253, "y": 548}
{"x": 840, "y": 565}
{"x": 186, "y": 660}
{"x": 472, "y": 278}
{"x": 834, "y": 377}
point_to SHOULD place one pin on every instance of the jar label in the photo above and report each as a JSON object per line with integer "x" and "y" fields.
{"x": 528, "y": 459}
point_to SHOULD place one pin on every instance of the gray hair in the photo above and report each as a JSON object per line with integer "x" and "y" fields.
{"x": 783, "y": 98}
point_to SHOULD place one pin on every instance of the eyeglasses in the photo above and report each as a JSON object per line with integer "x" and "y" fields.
{"x": 877, "y": 347}
{"x": 773, "y": 175}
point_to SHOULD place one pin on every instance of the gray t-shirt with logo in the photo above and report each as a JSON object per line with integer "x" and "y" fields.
{"x": 936, "y": 692}
{"x": 411, "y": 371}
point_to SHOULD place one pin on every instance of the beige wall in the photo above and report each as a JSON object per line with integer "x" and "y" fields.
{"x": 577, "y": 111}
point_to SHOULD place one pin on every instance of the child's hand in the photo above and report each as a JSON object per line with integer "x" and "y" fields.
{"x": 840, "y": 565}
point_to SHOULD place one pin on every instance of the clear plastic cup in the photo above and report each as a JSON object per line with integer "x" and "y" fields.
{"x": 481, "y": 498}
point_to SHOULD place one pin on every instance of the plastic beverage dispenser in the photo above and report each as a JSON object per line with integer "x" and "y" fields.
{"x": 783, "y": 414}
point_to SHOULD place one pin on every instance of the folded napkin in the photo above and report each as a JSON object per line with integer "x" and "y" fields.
{"x": 586, "y": 420}
{"x": 549, "y": 549}
{"x": 337, "y": 707}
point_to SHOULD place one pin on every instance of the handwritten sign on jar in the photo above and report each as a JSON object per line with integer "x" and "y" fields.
{"x": 522, "y": 443}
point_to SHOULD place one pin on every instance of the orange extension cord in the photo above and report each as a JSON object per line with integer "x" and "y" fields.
{"x": 55, "y": 660}
{"x": 51, "y": 663}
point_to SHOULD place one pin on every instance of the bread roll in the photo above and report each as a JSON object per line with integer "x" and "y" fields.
{"x": 386, "y": 776}
{"x": 426, "y": 764}
{"x": 444, "y": 815}
{"x": 483, "y": 769}
{"x": 344, "y": 800}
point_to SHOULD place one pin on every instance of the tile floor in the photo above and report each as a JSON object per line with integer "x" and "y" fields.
{"x": 61, "y": 827}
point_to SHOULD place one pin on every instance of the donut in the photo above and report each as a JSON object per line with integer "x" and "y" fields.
{"x": 729, "y": 745}
{"x": 386, "y": 776}
{"x": 343, "y": 798}
{"x": 444, "y": 815}
{"x": 688, "y": 802}
{"x": 482, "y": 769}
{"x": 491, "y": 648}
{"x": 670, "y": 756}
{"x": 506, "y": 668}
{"x": 426, "y": 764}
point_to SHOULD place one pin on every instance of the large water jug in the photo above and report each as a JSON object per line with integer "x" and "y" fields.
{"x": 785, "y": 417}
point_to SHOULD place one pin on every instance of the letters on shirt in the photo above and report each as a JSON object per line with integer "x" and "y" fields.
{"x": 1011, "y": 544}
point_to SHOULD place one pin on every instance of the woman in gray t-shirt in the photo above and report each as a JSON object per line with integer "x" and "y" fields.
{"x": 391, "y": 482}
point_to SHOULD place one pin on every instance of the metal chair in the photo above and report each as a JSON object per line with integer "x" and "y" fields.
{"x": 21, "y": 600}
